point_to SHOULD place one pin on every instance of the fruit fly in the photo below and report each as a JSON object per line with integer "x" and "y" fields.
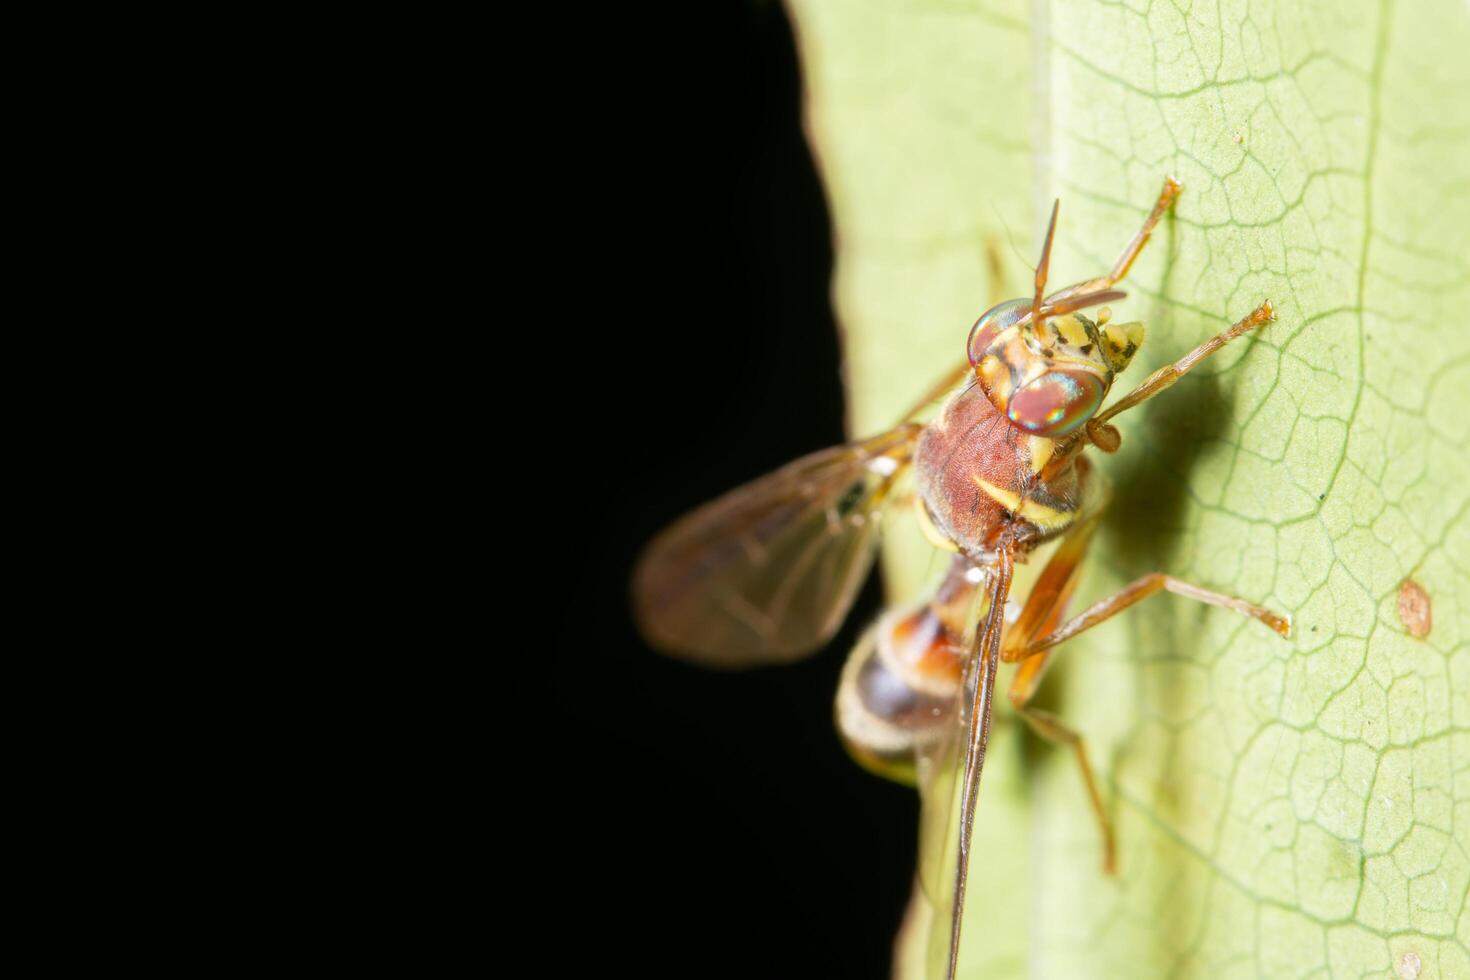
{"x": 767, "y": 572}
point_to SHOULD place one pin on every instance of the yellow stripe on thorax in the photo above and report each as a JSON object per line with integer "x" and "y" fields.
{"x": 1044, "y": 517}
{"x": 1040, "y": 449}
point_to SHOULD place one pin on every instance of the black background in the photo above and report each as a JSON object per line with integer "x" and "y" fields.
{"x": 700, "y": 823}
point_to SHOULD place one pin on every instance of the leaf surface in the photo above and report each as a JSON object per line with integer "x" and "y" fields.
{"x": 1289, "y": 808}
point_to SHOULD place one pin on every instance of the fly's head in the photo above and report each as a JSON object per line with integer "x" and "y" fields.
{"x": 1048, "y": 377}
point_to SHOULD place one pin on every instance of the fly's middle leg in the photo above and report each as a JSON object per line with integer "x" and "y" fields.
{"x": 953, "y": 377}
{"x": 1136, "y": 591}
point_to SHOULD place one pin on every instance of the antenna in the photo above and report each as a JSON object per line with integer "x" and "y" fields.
{"x": 1042, "y": 267}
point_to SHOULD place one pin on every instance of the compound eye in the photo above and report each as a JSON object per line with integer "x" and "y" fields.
{"x": 992, "y": 322}
{"x": 1056, "y": 403}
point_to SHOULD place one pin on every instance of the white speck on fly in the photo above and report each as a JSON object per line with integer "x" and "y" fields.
{"x": 974, "y": 575}
{"x": 883, "y": 465}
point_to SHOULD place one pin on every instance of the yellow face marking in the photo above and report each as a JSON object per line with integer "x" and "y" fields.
{"x": 992, "y": 371}
{"x": 1044, "y": 517}
{"x": 1071, "y": 330}
{"x": 1041, "y": 449}
{"x": 1123, "y": 340}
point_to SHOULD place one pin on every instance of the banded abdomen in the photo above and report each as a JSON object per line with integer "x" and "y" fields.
{"x": 898, "y": 688}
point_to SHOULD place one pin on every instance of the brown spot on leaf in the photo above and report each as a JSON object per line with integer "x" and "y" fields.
{"x": 1414, "y": 609}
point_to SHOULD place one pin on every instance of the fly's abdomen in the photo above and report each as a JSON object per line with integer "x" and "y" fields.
{"x": 900, "y": 683}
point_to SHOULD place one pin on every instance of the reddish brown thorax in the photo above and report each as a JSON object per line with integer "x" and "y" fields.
{"x": 978, "y": 477}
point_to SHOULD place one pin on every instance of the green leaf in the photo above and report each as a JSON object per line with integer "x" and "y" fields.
{"x": 1289, "y": 808}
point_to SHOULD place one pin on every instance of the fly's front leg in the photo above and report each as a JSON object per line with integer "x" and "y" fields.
{"x": 1106, "y": 437}
{"x": 1165, "y": 376}
{"x": 1048, "y": 726}
{"x": 1172, "y": 189}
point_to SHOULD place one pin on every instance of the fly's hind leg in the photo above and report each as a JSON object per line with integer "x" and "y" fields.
{"x": 1050, "y": 728}
{"x": 1044, "y": 608}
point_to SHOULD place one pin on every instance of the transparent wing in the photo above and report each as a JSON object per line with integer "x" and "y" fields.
{"x": 949, "y": 776}
{"x": 939, "y": 765}
{"x": 766, "y": 573}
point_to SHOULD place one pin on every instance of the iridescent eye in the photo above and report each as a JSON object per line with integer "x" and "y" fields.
{"x": 1056, "y": 403}
{"x": 991, "y": 323}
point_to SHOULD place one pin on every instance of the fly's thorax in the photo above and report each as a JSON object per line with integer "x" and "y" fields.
{"x": 1048, "y": 378}
{"x": 985, "y": 484}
